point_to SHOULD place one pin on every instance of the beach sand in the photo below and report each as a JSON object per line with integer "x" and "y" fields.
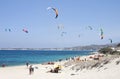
{"x": 110, "y": 70}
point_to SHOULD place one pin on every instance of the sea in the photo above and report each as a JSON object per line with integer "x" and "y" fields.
{"x": 20, "y": 57}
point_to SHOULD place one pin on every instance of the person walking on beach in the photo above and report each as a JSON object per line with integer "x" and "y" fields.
{"x": 27, "y": 64}
{"x": 31, "y": 70}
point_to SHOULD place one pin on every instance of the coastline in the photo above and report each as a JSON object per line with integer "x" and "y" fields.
{"x": 16, "y": 57}
{"x": 70, "y": 69}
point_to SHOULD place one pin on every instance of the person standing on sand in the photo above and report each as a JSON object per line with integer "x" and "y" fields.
{"x": 31, "y": 70}
{"x": 27, "y": 64}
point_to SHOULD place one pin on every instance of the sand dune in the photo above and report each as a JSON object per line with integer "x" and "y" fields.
{"x": 109, "y": 70}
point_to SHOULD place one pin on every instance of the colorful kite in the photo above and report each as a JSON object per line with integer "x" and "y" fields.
{"x": 55, "y": 10}
{"x": 9, "y": 30}
{"x": 101, "y": 33}
{"x": 26, "y": 31}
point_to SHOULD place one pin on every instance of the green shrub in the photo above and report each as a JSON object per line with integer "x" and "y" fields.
{"x": 106, "y": 50}
{"x": 118, "y": 45}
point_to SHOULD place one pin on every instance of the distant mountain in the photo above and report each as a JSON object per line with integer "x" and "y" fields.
{"x": 90, "y": 47}
{"x": 76, "y": 48}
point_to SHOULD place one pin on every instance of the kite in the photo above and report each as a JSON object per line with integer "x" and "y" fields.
{"x": 90, "y": 27}
{"x": 110, "y": 40}
{"x": 9, "y": 30}
{"x": 26, "y": 31}
{"x": 101, "y": 33}
{"x": 56, "y": 11}
{"x": 6, "y": 30}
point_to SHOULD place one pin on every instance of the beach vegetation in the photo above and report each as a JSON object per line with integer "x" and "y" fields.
{"x": 108, "y": 50}
{"x": 118, "y": 45}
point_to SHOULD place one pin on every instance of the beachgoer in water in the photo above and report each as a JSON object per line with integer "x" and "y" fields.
{"x": 3, "y": 65}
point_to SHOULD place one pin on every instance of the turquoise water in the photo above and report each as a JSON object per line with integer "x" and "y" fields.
{"x": 20, "y": 57}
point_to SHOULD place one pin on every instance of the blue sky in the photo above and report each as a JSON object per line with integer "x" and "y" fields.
{"x": 74, "y": 15}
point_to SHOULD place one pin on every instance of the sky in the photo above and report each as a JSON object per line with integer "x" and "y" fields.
{"x": 74, "y": 15}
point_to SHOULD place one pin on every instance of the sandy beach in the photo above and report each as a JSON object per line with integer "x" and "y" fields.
{"x": 59, "y": 39}
{"x": 109, "y": 70}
